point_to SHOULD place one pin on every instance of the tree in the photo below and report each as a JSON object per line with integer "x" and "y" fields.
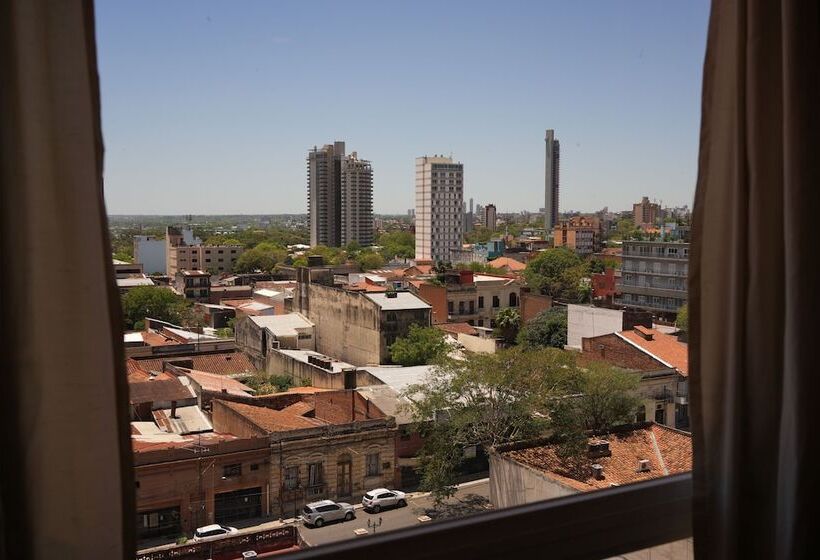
{"x": 264, "y": 257}
{"x": 556, "y": 272}
{"x": 422, "y": 345}
{"x": 369, "y": 260}
{"x": 154, "y": 302}
{"x": 507, "y": 323}
{"x": 682, "y": 320}
{"x": 264, "y": 384}
{"x": 547, "y": 329}
{"x": 486, "y": 399}
{"x": 515, "y": 394}
{"x": 626, "y": 229}
{"x": 400, "y": 244}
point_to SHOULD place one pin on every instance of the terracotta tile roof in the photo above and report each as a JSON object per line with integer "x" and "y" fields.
{"x": 220, "y": 362}
{"x": 456, "y": 328}
{"x": 506, "y": 262}
{"x": 145, "y": 388}
{"x": 142, "y": 443}
{"x": 219, "y": 383}
{"x": 668, "y": 451}
{"x": 152, "y": 338}
{"x": 366, "y": 287}
{"x": 665, "y": 347}
{"x": 272, "y": 420}
{"x": 303, "y": 391}
{"x": 300, "y": 408}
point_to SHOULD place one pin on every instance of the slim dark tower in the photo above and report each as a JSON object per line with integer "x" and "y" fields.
{"x": 551, "y": 189}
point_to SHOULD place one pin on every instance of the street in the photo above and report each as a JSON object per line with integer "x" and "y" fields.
{"x": 470, "y": 498}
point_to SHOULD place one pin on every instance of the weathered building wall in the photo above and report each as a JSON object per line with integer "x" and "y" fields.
{"x": 533, "y": 304}
{"x": 251, "y": 338}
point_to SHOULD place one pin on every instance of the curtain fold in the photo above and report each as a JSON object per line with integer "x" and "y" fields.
{"x": 753, "y": 280}
{"x": 66, "y": 481}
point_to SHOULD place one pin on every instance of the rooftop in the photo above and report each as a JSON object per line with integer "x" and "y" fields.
{"x": 218, "y": 383}
{"x": 133, "y": 282}
{"x": 402, "y": 301}
{"x": 272, "y": 420}
{"x": 219, "y": 362}
{"x": 506, "y": 262}
{"x": 456, "y": 328}
{"x": 148, "y": 387}
{"x": 399, "y": 378}
{"x": 668, "y": 451}
{"x": 283, "y": 325}
{"x": 664, "y": 347}
{"x": 302, "y": 355}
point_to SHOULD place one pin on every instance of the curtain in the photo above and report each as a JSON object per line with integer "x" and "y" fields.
{"x": 754, "y": 280}
{"x": 66, "y": 482}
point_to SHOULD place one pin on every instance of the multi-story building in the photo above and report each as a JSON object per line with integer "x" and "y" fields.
{"x": 582, "y": 234}
{"x": 357, "y": 201}
{"x": 181, "y": 255}
{"x": 193, "y": 284}
{"x": 646, "y": 213}
{"x": 439, "y": 207}
{"x": 340, "y": 197}
{"x": 653, "y": 276}
{"x": 551, "y": 182}
{"x": 150, "y": 251}
{"x": 490, "y": 217}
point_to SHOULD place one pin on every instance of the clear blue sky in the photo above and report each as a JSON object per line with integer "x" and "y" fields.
{"x": 210, "y": 107}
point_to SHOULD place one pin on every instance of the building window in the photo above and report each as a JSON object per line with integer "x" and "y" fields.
{"x": 291, "y": 478}
{"x": 372, "y": 465}
{"x": 255, "y": 467}
{"x": 229, "y": 471}
{"x": 481, "y": 302}
{"x": 315, "y": 474}
{"x": 513, "y": 299}
{"x": 496, "y": 301}
{"x": 450, "y": 307}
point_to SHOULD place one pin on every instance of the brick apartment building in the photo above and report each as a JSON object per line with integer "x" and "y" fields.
{"x": 582, "y": 234}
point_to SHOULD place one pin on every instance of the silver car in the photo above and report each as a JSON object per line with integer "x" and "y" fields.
{"x": 380, "y": 498}
{"x": 319, "y": 513}
{"x": 213, "y": 532}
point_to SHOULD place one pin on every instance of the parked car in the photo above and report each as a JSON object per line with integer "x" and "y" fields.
{"x": 319, "y": 513}
{"x": 380, "y": 498}
{"x": 213, "y": 532}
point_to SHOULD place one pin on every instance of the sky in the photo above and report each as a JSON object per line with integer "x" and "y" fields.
{"x": 211, "y": 107}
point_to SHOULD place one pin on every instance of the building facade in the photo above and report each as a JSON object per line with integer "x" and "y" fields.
{"x": 490, "y": 216}
{"x": 340, "y": 197}
{"x": 357, "y": 201}
{"x": 653, "y": 276}
{"x": 150, "y": 251}
{"x": 581, "y": 234}
{"x": 439, "y": 208}
{"x": 181, "y": 254}
{"x": 551, "y": 180}
{"x": 646, "y": 213}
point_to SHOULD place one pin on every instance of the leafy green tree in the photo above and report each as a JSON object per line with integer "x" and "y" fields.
{"x": 154, "y": 302}
{"x": 547, "y": 329}
{"x": 507, "y": 323}
{"x": 370, "y": 260}
{"x": 422, "y": 345}
{"x": 625, "y": 229}
{"x": 264, "y": 257}
{"x": 222, "y": 240}
{"x": 400, "y": 244}
{"x": 486, "y": 399}
{"x": 264, "y": 384}
{"x": 682, "y": 320}
{"x": 556, "y": 272}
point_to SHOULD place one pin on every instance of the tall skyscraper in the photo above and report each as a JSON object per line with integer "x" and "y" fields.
{"x": 357, "y": 201}
{"x": 340, "y": 197}
{"x": 553, "y": 158}
{"x": 439, "y": 208}
{"x": 490, "y": 217}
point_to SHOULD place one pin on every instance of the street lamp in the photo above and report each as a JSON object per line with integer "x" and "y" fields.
{"x": 371, "y": 524}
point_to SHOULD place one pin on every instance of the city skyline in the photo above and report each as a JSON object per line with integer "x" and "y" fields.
{"x": 624, "y": 99}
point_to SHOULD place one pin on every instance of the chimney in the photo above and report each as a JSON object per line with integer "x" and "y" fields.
{"x": 643, "y": 332}
{"x": 598, "y": 448}
{"x": 173, "y": 409}
{"x": 597, "y": 471}
{"x": 643, "y": 465}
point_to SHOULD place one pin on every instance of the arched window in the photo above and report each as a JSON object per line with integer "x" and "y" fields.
{"x": 513, "y": 299}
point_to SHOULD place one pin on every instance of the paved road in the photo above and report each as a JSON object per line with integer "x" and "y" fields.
{"x": 470, "y": 498}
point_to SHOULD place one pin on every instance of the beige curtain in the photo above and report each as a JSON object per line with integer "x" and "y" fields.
{"x": 754, "y": 281}
{"x": 66, "y": 480}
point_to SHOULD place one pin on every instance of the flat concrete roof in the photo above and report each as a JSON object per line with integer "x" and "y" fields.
{"x": 402, "y": 301}
{"x": 399, "y": 378}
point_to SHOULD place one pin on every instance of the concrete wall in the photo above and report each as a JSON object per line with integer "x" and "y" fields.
{"x": 151, "y": 253}
{"x": 513, "y": 484}
{"x": 279, "y": 363}
{"x": 584, "y": 321}
{"x": 250, "y": 338}
{"x": 478, "y": 344}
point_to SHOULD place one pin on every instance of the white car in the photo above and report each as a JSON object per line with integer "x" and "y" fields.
{"x": 319, "y": 513}
{"x": 213, "y": 532}
{"x": 380, "y": 498}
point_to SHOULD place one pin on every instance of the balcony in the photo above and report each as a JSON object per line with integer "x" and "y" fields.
{"x": 626, "y": 288}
